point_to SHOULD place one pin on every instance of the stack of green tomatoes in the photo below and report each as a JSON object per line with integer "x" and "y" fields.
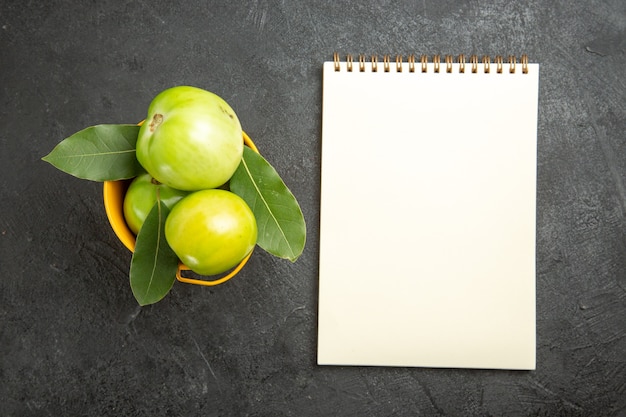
{"x": 190, "y": 145}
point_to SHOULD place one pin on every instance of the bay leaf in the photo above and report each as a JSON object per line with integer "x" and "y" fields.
{"x": 154, "y": 264}
{"x": 103, "y": 152}
{"x": 281, "y": 225}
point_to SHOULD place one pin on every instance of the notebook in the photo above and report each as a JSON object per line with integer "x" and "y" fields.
{"x": 427, "y": 220}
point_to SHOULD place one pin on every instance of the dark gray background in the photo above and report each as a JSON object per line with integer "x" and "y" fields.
{"x": 73, "y": 340}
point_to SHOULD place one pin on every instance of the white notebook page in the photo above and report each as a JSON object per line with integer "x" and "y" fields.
{"x": 427, "y": 227}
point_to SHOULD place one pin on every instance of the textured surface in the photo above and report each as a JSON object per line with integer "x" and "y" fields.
{"x": 73, "y": 340}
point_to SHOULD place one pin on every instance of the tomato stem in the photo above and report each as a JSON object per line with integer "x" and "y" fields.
{"x": 156, "y": 121}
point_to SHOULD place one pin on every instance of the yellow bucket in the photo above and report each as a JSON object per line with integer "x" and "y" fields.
{"x": 114, "y": 192}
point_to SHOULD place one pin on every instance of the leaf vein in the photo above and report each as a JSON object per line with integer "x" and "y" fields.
{"x": 156, "y": 253}
{"x": 96, "y": 154}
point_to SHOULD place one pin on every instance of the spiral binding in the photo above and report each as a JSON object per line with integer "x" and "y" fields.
{"x": 473, "y": 63}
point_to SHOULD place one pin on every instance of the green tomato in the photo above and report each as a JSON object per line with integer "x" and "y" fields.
{"x": 211, "y": 231}
{"x": 141, "y": 197}
{"x": 191, "y": 139}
